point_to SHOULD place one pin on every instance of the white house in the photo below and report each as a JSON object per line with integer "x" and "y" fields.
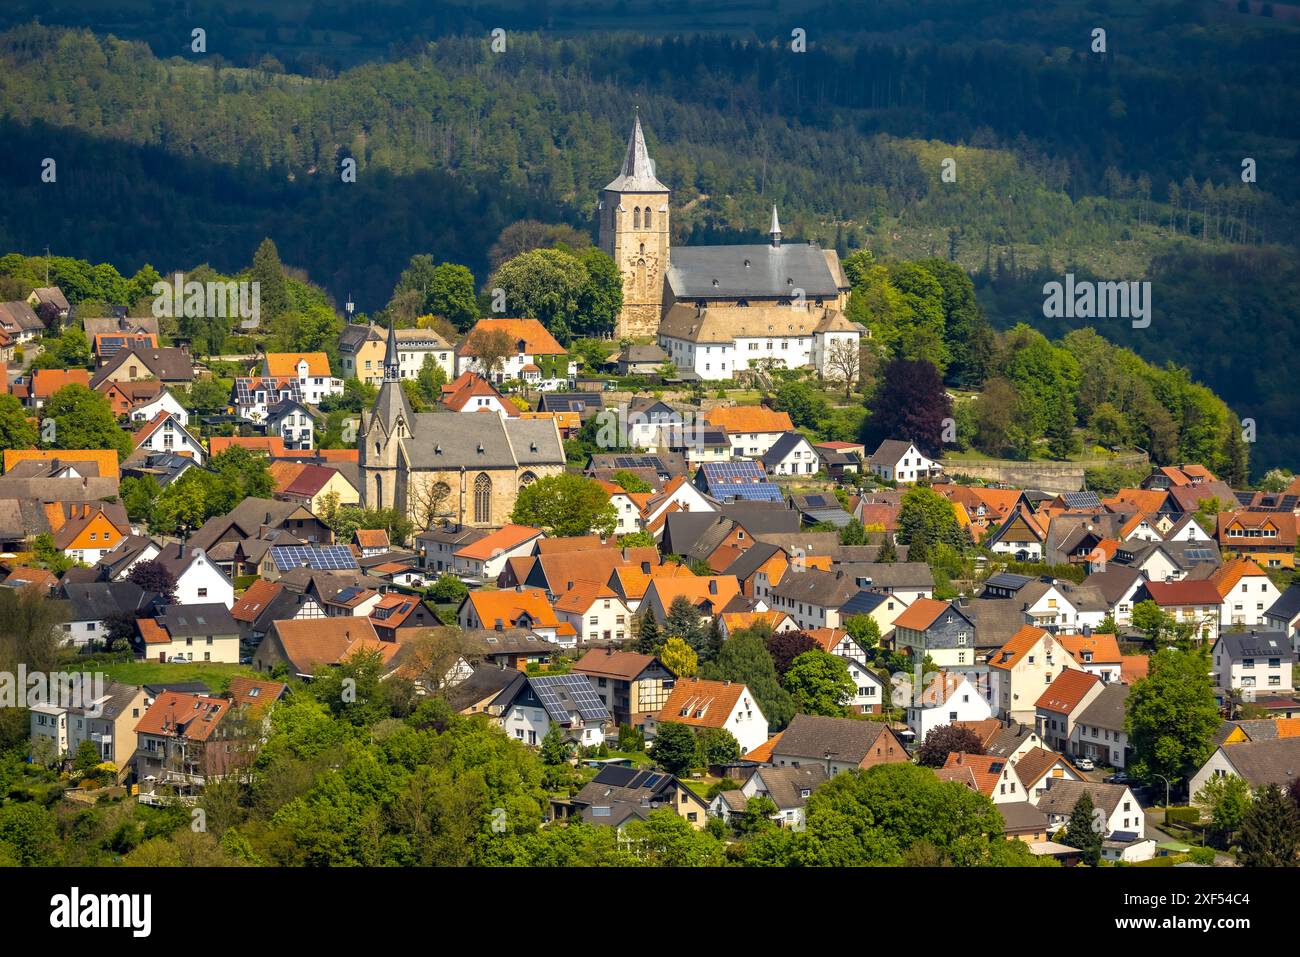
{"x": 715, "y": 344}
{"x": 946, "y": 697}
{"x": 485, "y": 558}
{"x": 1247, "y": 591}
{"x": 1253, "y": 661}
{"x": 166, "y": 433}
{"x": 533, "y": 346}
{"x": 311, "y": 371}
{"x": 595, "y": 611}
{"x": 184, "y": 633}
{"x": 293, "y": 422}
{"x": 164, "y": 401}
{"x": 1099, "y": 731}
{"x": 678, "y": 495}
{"x": 902, "y": 462}
{"x": 700, "y": 703}
{"x": 751, "y": 429}
{"x": 564, "y": 700}
{"x": 1121, "y": 814}
{"x": 791, "y": 454}
{"x": 198, "y": 580}
{"x": 869, "y": 688}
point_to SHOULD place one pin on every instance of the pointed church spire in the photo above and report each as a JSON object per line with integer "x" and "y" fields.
{"x": 392, "y": 362}
{"x": 638, "y": 172}
{"x": 775, "y": 231}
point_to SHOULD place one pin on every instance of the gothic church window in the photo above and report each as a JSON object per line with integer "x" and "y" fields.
{"x": 482, "y": 498}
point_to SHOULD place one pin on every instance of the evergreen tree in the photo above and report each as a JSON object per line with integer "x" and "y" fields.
{"x": 554, "y": 751}
{"x": 1270, "y": 834}
{"x": 268, "y": 271}
{"x": 648, "y": 641}
{"x": 1082, "y": 831}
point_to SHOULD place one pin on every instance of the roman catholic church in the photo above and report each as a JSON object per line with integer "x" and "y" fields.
{"x": 465, "y": 468}
{"x": 795, "y": 289}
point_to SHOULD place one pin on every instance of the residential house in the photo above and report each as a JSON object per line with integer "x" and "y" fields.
{"x": 470, "y": 392}
{"x": 484, "y": 559}
{"x": 35, "y": 389}
{"x": 1246, "y": 593}
{"x": 1121, "y": 811}
{"x": 939, "y": 629}
{"x": 311, "y": 371}
{"x": 166, "y": 433}
{"x": 699, "y": 703}
{"x": 566, "y": 701}
{"x": 902, "y": 462}
{"x": 836, "y": 744}
{"x": 630, "y": 685}
{"x": 1096, "y": 652}
{"x": 533, "y": 346}
{"x": 108, "y": 723}
{"x": 813, "y": 598}
{"x": 790, "y": 454}
{"x": 180, "y": 744}
{"x": 1059, "y": 707}
{"x": 187, "y": 633}
{"x": 170, "y": 366}
{"x": 1023, "y": 667}
{"x": 1252, "y": 662}
{"x": 87, "y": 532}
{"x": 1269, "y": 538}
{"x": 294, "y": 422}
{"x": 595, "y": 612}
{"x": 1195, "y": 603}
{"x": 946, "y": 697}
{"x": 498, "y": 610}
{"x": 1099, "y": 732}
{"x": 199, "y": 581}
{"x": 617, "y": 795}
{"x": 1257, "y": 762}
{"x": 709, "y": 594}
{"x": 751, "y": 429}
{"x": 308, "y": 646}
{"x": 789, "y": 788}
{"x": 90, "y": 605}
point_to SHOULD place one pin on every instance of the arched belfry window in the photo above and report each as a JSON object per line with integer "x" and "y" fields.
{"x": 636, "y": 217}
{"x": 482, "y": 498}
{"x": 647, "y": 217}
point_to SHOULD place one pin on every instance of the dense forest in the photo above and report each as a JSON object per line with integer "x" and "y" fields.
{"x": 1120, "y": 165}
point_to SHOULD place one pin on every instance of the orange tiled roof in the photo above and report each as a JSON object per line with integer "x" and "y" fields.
{"x": 502, "y": 540}
{"x": 1017, "y": 646}
{"x": 106, "y": 459}
{"x": 921, "y": 614}
{"x": 1066, "y": 691}
{"x": 986, "y": 768}
{"x": 740, "y": 620}
{"x": 763, "y": 753}
{"x": 255, "y": 695}
{"x": 191, "y": 716}
{"x": 255, "y": 599}
{"x": 749, "y": 418}
{"x": 537, "y": 341}
{"x": 1104, "y": 647}
{"x": 1133, "y": 667}
{"x": 273, "y": 445}
{"x": 46, "y": 382}
{"x": 371, "y": 537}
{"x": 509, "y": 606}
{"x": 701, "y": 703}
{"x": 1230, "y": 573}
{"x": 582, "y": 596}
{"x": 284, "y": 365}
{"x": 696, "y": 589}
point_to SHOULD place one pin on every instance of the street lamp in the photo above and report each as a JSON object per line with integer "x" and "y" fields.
{"x": 1166, "y": 780}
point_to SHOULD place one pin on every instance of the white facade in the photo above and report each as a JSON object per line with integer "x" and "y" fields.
{"x": 962, "y": 703}
{"x": 203, "y": 583}
{"x": 714, "y": 361}
{"x": 869, "y": 689}
{"x": 1269, "y": 672}
{"x": 294, "y": 425}
{"x": 529, "y": 724}
{"x": 1087, "y": 739}
{"x": 172, "y": 436}
{"x": 800, "y": 459}
{"x": 907, "y": 467}
{"x": 163, "y": 402}
{"x": 222, "y": 649}
{"x": 605, "y": 619}
{"x": 1249, "y": 599}
{"x": 314, "y": 387}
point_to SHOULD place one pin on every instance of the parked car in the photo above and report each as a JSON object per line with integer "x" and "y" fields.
{"x": 1084, "y": 764}
{"x": 1119, "y": 777}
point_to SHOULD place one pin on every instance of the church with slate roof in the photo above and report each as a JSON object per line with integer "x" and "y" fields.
{"x": 449, "y": 467}
{"x": 717, "y": 310}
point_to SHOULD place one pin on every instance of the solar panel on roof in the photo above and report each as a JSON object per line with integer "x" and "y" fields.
{"x": 576, "y": 687}
{"x": 320, "y": 557}
{"x": 1082, "y": 500}
{"x": 757, "y": 492}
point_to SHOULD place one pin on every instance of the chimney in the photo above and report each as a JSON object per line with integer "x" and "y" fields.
{"x": 1087, "y": 631}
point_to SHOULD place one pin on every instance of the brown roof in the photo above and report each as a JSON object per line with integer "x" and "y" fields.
{"x": 190, "y": 716}
{"x": 625, "y": 665}
{"x": 1036, "y": 762}
{"x": 254, "y": 600}
{"x": 1009, "y": 655}
{"x": 1184, "y": 592}
{"x": 1067, "y": 691}
{"x": 312, "y": 642}
{"x": 701, "y": 703}
{"x": 921, "y": 614}
{"x": 256, "y": 695}
{"x": 371, "y": 537}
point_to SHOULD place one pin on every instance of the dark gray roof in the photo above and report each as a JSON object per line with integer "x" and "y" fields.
{"x": 889, "y": 452}
{"x": 484, "y": 681}
{"x": 1107, "y": 709}
{"x": 442, "y": 440}
{"x": 750, "y": 560}
{"x": 782, "y": 447}
{"x": 1021, "y": 816}
{"x": 820, "y": 507}
{"x": 1266, "y": 762}
{"x": 760, "y": 271}
{"x": 1255, "y": 644}
{"x": 1009, "y": 581}
{"x": 887, "y": 575}
{"x": 1113, "y": 582}
{"x": 1008, "y": 740}
{"x": 785, "y": 786}
{"x": 638, "y": 172}
{"x": 650, "y": 353}
{"x": 165, "y": 363}
{"x": 1287, "y": 605}
{"x": 816, "y": 587}
{"x": 197, "y": 621}
{"x": 809, "y": 737}
{"x": 1061, "y": 796}
{"x": 996, "y": 620}
{"x": 95, "y": 601}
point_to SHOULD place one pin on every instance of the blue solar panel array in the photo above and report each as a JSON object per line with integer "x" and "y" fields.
{"x": 756, "y": 492}
{"x": 320, "y": 557}
{"x": 732, "y": 473}
{"x": 553, "y": 690}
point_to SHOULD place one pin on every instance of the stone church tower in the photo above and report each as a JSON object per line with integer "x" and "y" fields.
{"x": 634, "y": 232}
{"x": 382, "y": 431}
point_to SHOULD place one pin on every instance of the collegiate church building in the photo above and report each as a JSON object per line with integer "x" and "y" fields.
{"x": 717, "y": 310}
{"x": 445, "y": 466}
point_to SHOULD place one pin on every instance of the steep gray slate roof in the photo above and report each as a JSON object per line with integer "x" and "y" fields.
{"x": 447, "y": 440}
{"x": 638, "y": 172}
{"x": 535, "y": 441}
{"x": 1255, "y": 644}
{"x": 888, "y": 574}
{"x": 1107, "y": 709}
{"x": 773, "y": 272}
{"x": 1266, "y": 762}
{"x": 815, "y": 587}
{"x": 210, "y": 618}
{"x": 785, "y": 786}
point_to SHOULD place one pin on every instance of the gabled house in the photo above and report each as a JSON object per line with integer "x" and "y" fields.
{"x": 902, "y": 462}
{"x": 166, "y": 433}
{"x": 527, "y": 608}
{"x": 945, "y": 698}
{"x": 1121, "y": 813}
{"x": 108, "y": 723}
{"x": 1019, "y": 536}
{"x": 534, "y": 346}
{"x": 789, "y": 788}
{"x": 1193, "y": 602}
{"x": 309, "y": 646}
{"x": 89, "y": 605}
{"x": 170, "y": 366}
{"x": 1253, "y": 662}
{"x": 394, "y": 611}
{"x": 294, "y": 422}
{"x": 198, "y": 580}
{"x": 1094, "y": 651}
{"x": 1119, "y": 586}
{"x": 1059, "y": 707}
{"x": 1023, "y": 667}
{"x": 630, "y": 685}
{"x": 595, "y": 612}
{"x": 1257, "y": 762}
{"x": 1246, "y": 593}
{"x": 180, "y": 744}
{"x": 567, "y": 701}
{"x": 709, "y": 594}
{"x": 187, "y": 633}
{"x": 836, "y": 744}
{"x": 699, "y": 703}
{"x": 470, "y": 392}
{"x": 813, "y": 598}
{"x": 1284, "y": 616}
{"x": 311, "y": 371}
{"x": 1267, "y": 537}
{"x": 87, "y": 532}
{"x": 1099, "y": 732}
{"x": 617, "y": 795}
{"x": 485, "y": 558}
{"x": 790, "y": 454}
{"x": 936, "y": 628}
{"x": 35, "y": 389}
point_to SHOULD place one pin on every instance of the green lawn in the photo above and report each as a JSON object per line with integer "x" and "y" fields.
{"x": 215, "y": 676}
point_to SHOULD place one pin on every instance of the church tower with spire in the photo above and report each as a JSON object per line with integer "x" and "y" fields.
{"x": 388, "y": 422}
{"x": 634, "y": 232}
